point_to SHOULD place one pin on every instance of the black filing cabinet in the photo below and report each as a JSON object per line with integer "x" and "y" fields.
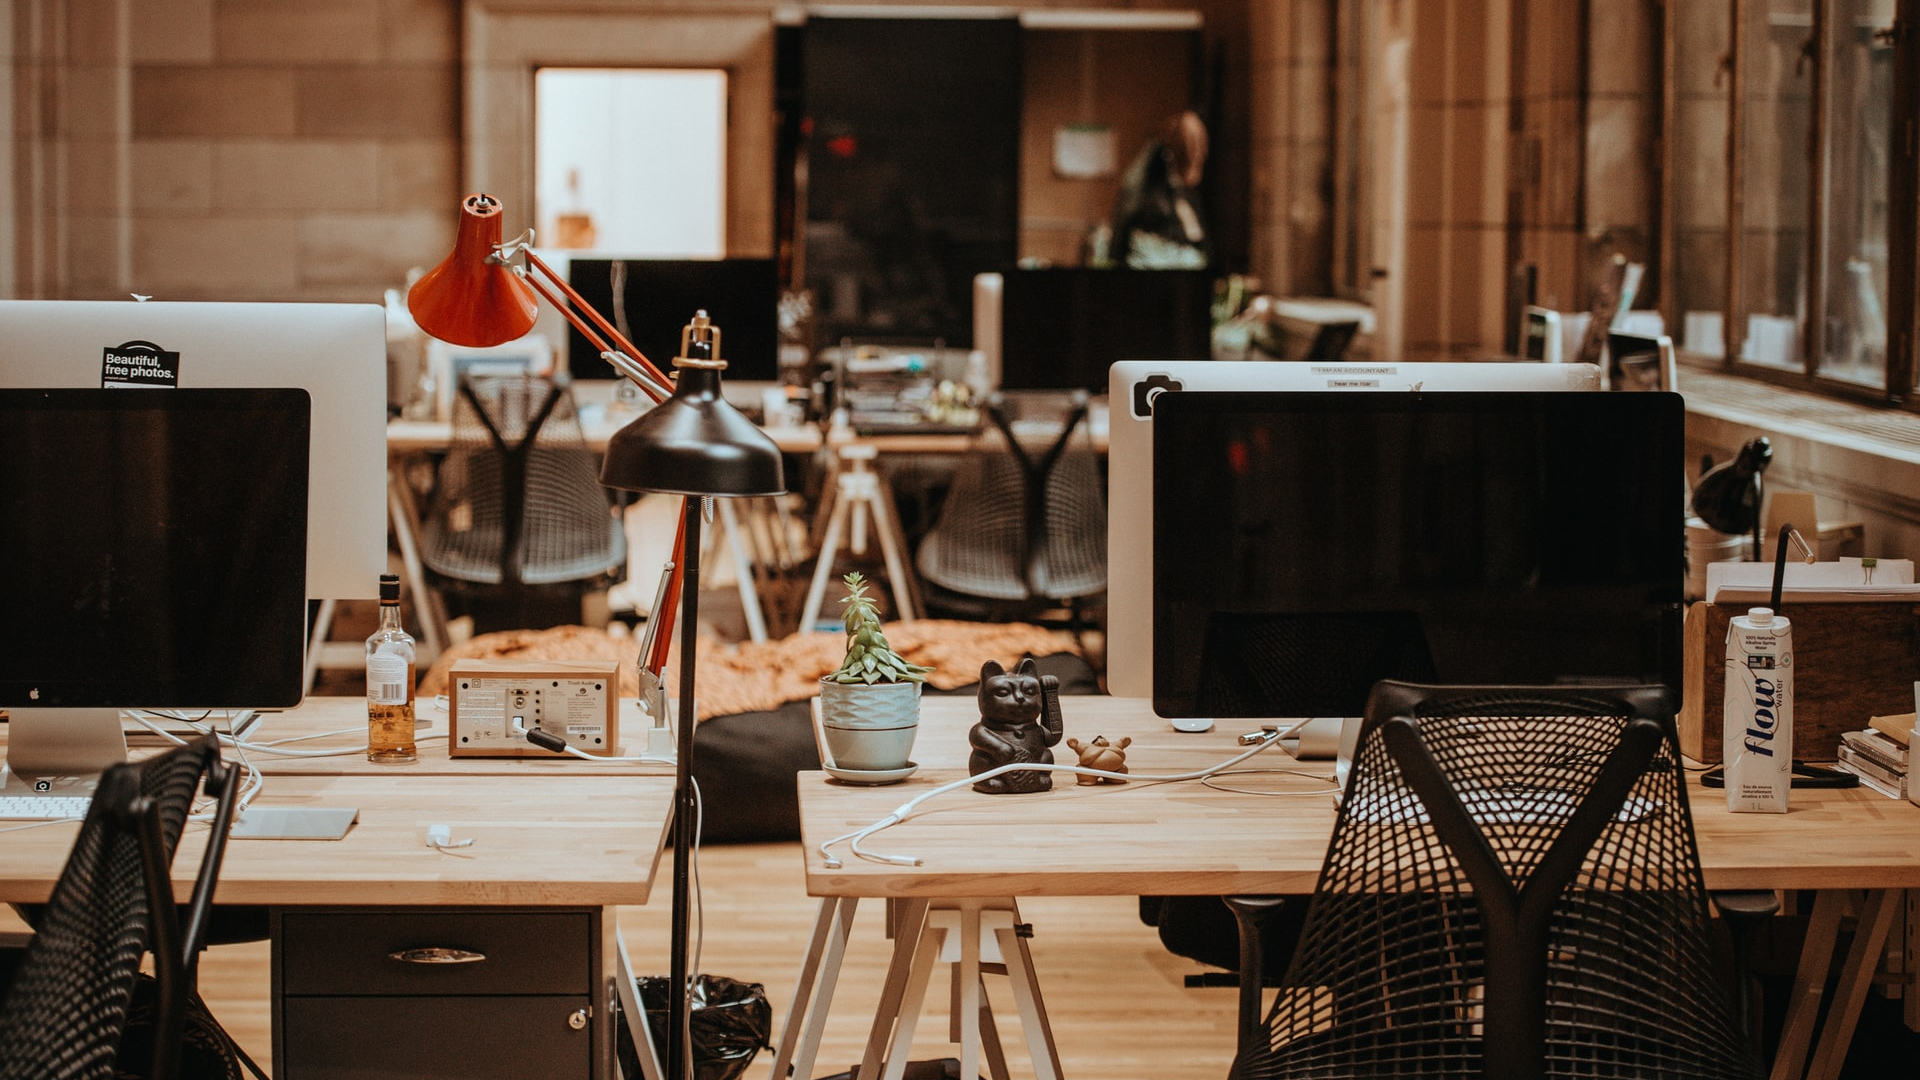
{"x": 460, "y": 993}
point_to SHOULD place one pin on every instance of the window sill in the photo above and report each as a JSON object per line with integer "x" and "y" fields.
{"x": 1866, "y": 458}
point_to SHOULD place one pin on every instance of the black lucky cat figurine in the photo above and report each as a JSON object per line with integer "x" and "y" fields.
{"x": 1019, "y": 721}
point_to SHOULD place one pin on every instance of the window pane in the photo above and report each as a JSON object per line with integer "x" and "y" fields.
{"x": 1698, "y": 277}
{"x": 631, "y": 161}
{"x": 1859, "y": 124}
{"x": 1778, "y": 103}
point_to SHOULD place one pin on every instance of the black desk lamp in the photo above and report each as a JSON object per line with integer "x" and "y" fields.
{"x": 691, "y": 444}
{"x": 1727, "y": 497}
{"x": 695, "y": 445}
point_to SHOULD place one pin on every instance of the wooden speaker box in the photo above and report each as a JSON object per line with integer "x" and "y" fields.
{"x": 1850, "y": 661}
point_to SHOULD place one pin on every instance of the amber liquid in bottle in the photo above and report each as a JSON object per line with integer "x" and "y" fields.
{"x": 390, "y": 683}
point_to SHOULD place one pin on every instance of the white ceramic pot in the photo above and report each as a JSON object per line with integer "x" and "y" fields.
{"x": 869, "y": 727}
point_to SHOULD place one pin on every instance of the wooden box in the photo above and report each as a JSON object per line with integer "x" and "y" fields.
{"x": 1851, "y": 661}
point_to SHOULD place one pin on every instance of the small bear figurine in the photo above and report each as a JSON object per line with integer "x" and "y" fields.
{"x": 1099, "y": 754}
{"x": 1019, "y": 720}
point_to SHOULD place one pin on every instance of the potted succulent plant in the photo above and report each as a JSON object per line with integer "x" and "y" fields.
{"x": 874, "y": 691}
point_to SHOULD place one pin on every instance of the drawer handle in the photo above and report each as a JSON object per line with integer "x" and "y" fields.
{"x": 436, "y": 956}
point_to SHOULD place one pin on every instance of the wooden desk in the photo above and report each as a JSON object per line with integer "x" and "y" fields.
{"x": 558, "y": 840}
{"x": 1859, "y": 848}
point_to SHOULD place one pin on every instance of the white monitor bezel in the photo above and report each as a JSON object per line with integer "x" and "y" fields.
{"x": 336, "y": 352}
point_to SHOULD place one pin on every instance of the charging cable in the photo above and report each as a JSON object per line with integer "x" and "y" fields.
{"x": 440, "y": 838}
{"x": 547, "y": 740}
{"x": 1256, "y": 741}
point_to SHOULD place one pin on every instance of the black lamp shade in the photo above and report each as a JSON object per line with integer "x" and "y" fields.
{"x": 694, "y": 443}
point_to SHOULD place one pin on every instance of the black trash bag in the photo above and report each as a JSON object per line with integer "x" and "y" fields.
{"x": 729, "y": 1023}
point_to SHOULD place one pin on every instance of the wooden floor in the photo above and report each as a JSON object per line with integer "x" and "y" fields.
{"x": 1116, "y": 998}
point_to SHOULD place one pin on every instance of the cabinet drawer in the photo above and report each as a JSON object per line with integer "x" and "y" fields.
{"x": 447, "y": 1038}
{"x": 525, "y": 952}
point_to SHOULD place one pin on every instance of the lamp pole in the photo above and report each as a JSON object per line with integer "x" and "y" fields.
{"x": 685, "y": 804}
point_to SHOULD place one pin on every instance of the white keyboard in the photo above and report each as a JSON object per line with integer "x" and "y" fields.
{"x": 43, "y": 807}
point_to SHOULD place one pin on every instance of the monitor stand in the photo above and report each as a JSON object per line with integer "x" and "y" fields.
{"x": 62, "y": 751}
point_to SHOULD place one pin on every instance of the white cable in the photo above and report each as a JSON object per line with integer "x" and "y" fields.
{"x": 906, "y": 810}
{"x": 699, "y": 906}
{"x": 274, "y": 747}
{"x": 584, "y": 756}
{"x": 1321, "y": 778}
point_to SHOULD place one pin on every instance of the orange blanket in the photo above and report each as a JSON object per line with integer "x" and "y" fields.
{"x": 749, "y": 677}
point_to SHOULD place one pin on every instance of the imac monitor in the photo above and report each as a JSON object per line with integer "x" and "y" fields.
{"x": 1308, "y": 545}
{"x": 1062, "y": 327}
{"x": 650, "y": 300}
{"x": 335, "y": 352}
{"x": 1134, "y": 387}
{"x": 1640, "y": 361}
{"x": 1540, "y": 335}
{"x": 154, "y": 557}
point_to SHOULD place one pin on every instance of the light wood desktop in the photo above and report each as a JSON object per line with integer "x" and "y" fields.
{"x": 1855, "y": 846}
{"x": 562, "y": 838}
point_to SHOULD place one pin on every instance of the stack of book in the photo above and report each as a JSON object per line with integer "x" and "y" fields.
{"x": 1878, "y": 755}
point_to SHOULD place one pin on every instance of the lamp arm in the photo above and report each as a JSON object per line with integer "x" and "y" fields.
{"x": 629, "y": 361}
{"x": 575, "y": 304}
{"x": 1787, "y": 534}
{"x": 656, "y": 648}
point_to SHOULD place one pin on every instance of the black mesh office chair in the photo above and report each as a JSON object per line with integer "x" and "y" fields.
{"x": 1512, "y": 890}
{"x": 519, "y": 525}
{"x": 65, "y": 1012}
{"x": 1020, "y": 531}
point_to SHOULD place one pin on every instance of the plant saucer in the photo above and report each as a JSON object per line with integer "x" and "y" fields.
{"x": 871, "y": 776}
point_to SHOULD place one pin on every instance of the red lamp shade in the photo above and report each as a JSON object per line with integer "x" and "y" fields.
{"x": 473, "y": 298}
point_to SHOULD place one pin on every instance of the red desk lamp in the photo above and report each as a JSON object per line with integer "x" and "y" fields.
{"x": 692, "y": 444}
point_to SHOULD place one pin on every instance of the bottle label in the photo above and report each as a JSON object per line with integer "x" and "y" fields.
{"x": 386, "y": 679}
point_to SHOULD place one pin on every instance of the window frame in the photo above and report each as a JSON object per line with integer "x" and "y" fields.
{"x": 1903, "y": 216}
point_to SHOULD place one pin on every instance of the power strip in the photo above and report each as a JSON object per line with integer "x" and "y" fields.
{"x": 493, "y": 703}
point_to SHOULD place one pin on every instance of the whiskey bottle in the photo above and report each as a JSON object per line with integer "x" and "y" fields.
{"x": 390, "y": 682}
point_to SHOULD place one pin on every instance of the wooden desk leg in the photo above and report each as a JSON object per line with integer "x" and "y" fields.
{"x": 909, "y": 921}
{"x": 825, "y": 951}
{"x": 404, "y": 517}
{"x": 996, "y": 1055}
{"x": 823, "y": 567}
{"x": 1856, "y": 974}
{"x": 905, "y": 1014}
{"x": 968, "y": 981}
{"x": 638, "y": 1030}
{"x": 1026, "y": 994}
{"x": 1809, "y": 985}
{"x": 892, "y": 541}
{"x": 743, "y": 572}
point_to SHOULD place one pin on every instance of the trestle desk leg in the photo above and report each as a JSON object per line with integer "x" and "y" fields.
{"x": 1856, "y": 973}
{"x": 808, "y": 1013}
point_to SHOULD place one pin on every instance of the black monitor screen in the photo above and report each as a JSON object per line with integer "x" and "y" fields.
{"x": 1307, "y": 545}
{"x": 1061, "y": 328}
{"x": 659, "y": 296}
{"x": 153, "y": 547}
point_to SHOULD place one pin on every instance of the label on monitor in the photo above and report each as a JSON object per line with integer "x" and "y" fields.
{"x": 138, "y": 364}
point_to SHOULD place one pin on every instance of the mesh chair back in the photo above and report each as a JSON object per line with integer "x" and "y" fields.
{"x": 519, "y": 500}
{"x": 1025, "y": 519}
{"x": 67, "y": 1007}
{"x": 1512, "y": 890}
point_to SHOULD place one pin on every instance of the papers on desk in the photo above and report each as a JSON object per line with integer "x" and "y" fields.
{"x": 1848, "y": 580}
